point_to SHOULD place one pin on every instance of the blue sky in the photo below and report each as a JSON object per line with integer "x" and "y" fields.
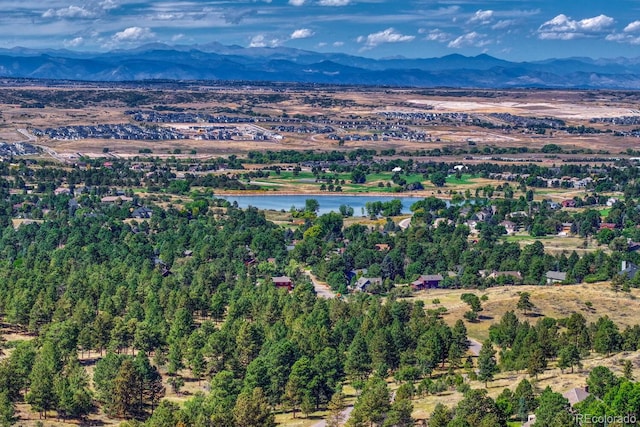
{"x": 514, "y": 30}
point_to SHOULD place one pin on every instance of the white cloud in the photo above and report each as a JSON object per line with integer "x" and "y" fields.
{"x": 169, "y": 16}
{"x": 597, "y": 23}
{"x": 302, "y": 33}
{"x": 133, "y": 34}
{"x": 387, "y": 36}
{"x": 470, "y": 39}
{"x": 334, "y": 2}
{"x": 296, "y": 2}
{"x": 563, "y": 27}
{"x": 74, "y": 42}
{"x": 632, "y": 27}
{"x": 503, "y": 24}
{"x": 482, "y": 16}
{"x": 436, "y": 35}
{"x": 108, "y": 4}
{"x": 261, "y": 40}
{"x": 338, "y": 44}
{"x": 69, "y": 12}
{"x": 258, "y": 41}
{"x": 623, "y": 38}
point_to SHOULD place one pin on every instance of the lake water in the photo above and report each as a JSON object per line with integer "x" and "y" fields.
{"x": 328, "y": 203}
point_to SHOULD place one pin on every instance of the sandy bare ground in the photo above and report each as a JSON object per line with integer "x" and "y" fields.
{"x": 575, "y": 107}
{"x": 559, "y": 109}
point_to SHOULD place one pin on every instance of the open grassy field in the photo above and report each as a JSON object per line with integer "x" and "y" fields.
{"x": 559, "y": 244}
{"x": 554, "y": 301}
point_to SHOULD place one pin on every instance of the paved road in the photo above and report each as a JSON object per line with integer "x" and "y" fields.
{"x": 474, "y": 346}
{"x": 322, "y": 290}
{"x": 404, "y": 224}
{"x": 345, "y": 416}
{"x": 31, "y": 139}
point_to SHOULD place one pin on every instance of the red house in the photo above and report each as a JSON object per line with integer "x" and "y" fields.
{"x": 427, "y": 282}
{"x": 283, "y": 282}
{"x": 568, "y": 203}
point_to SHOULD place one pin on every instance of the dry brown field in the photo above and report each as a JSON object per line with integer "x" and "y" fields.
{"x": 94, "y": 105}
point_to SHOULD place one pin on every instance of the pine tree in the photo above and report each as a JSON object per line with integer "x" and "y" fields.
{"x": 536, "y": 363}
{"x": 126, "y": 389}
{"x": 150, "y": 386}
{"x": 372, "y": 406}
{"x": 628, "y": 370}
{"x": 524, "y": 303}
{"x": 252, "y": 410}
{"x": 358, "y": 363}
{"x": 400, "y": 414}
{"x": 487, "y": 366}
{"x": 7, "y": 410}
{"x": 441, "y": 416}
{"x": 569, "y": 356}
{"x": 336, "y": 407}
{"x": 525, "y": 398}
{"x": 41, "y": 394}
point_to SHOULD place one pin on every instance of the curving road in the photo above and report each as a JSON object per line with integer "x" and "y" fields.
{"x": 322, "y": 290}
{"x": 474, "y": 346}
{"x": 405, "y": 223}
{"x": 32, "y": 140}
{"x": 345, "y": 416}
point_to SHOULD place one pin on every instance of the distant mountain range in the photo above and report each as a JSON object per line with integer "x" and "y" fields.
{"x": 218, "y": 62}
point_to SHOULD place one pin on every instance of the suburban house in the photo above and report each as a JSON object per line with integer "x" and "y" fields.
{"x": 382, "y": 247}
{"x": 576, "y": 395}
{"x": 568, "y": 203}
{"x": 61, "y": 190}
{"x": 283, "y": 282}
{"x": 364, "y": 283}
{"x": 555, "y": 277}
{"x": 629, "y": 269}
{"x": 633, "y": 246}
{"x": 509, "y": 226}
{"x": 531, "y": 420}
{"x": 516, "y": 275}
{"x": 114, "y": 199}
{"x": 566, "y": 229}
{"x": 428, "y": 281}
{"x": 142, "y": 213}
{"x": 608, "y": 226}
{"x": 351, "y": 274}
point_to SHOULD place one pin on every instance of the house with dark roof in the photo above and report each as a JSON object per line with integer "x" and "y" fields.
{"x": 364, "y": 284}
{"x": 629, "y": 269}
{"x": 142, "y": 213}
{"x": 427, "y": 281}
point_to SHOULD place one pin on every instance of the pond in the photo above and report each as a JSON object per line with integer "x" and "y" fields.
{"x": 328, "y": 203}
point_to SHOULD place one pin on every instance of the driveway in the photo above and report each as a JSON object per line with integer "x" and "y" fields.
{"x": 322, "y": 289}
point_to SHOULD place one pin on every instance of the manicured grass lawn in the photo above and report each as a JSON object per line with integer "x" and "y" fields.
{"x": 464, "y": 179}
{"x": 519, "y": 238}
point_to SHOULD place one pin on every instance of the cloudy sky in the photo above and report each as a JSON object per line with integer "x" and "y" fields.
{"x": 514, "y": 30}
